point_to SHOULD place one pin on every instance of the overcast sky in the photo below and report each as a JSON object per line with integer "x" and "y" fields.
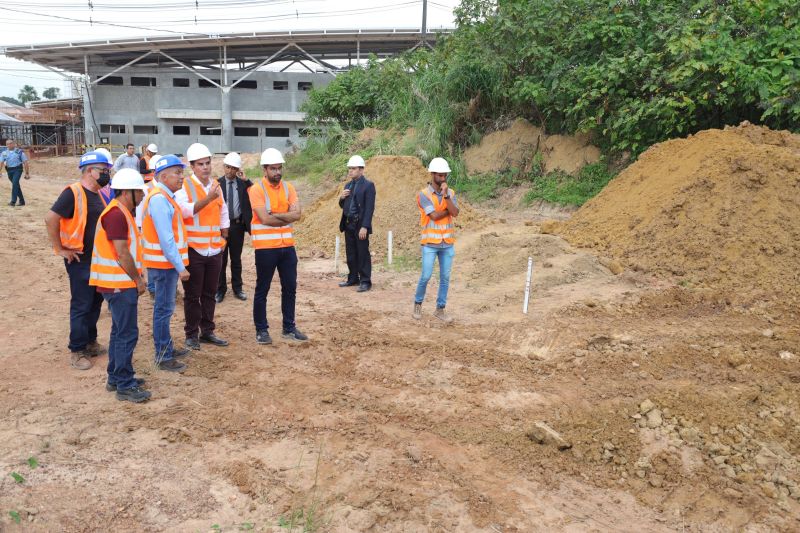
{"x": 54, "y": 21}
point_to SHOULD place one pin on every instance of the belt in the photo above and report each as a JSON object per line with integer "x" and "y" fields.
{"x": 14, "y": 168}
{"x": 237, "y": 220}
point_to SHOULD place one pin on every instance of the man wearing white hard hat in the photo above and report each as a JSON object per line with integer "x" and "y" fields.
{"x": 206, "y": 218}
{"x": 146, "y": 168}
{"x": 117, "y": 273}
{"x": 234, "y": 191}
{"x": 275, "y": 208}
{"x": 437, "y": 208}
{"x": 358, "y": 204}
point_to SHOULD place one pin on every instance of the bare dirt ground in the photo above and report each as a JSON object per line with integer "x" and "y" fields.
{"x": 680, "y": 413}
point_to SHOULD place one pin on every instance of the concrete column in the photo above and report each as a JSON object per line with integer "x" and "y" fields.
{"x": 227, "y": 120}
{"x": 89, "y": 133}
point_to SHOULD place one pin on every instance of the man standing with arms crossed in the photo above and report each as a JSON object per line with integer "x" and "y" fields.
{"x": 166, "y": 254}
{"x": 275, "y": 207}
{"x": 205, "y": 216}
{"x": 15, "y": 160}
{"x": 234, "y": 190}
{"x": 437, "y": 208}
{"x": 71, "y": 224}
{"x": 116, "y": 271}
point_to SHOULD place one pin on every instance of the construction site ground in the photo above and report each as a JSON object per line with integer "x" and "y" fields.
{"x": 676, "y": 408}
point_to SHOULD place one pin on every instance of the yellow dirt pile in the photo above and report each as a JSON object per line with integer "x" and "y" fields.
{"x": 397, "y": 181}
{"x": 718, "y": 209}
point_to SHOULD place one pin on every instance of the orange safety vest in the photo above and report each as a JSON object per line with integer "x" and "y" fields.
{"x": 106, "y": 270}
{"x": 73, "y": 229}
{"x": 435, "y": 231}
{"x": 203, "y": 229}
{"x": 275, "y": 201}
{"x": 147, "y": 174}
{"x": 153, "y": 256}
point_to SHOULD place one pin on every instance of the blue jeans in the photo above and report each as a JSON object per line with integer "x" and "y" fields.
{"x": 124, "y": 335}
{"x": 166, "y": 283}
{"x": 14, "y": 175}
{"x": 151, "y": 284}
{"x": 267, "y": 261}
{"x": 429, "y": 255}
{"x": 84, "y": 305}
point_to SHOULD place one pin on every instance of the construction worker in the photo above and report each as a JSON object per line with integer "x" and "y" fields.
{"x": 275, "y": 207}
{"x": 205, "y": 216}
{"x": 145, "y": 168}
{"x": 234, "y": 190}
{"x": 149, "y": 183}
{"x": 437, "y": 208}
{"x": 166, "y": 255}
{"x": 71, "y": 224}
{"x": 116, "y": 271}
{"x": 15, "y": 160}
{"x": 358, "y": 204}
{"x": 105, "y": 191}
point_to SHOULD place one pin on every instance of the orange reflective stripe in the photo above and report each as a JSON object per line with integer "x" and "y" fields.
{"x": 275, "y": 201}
{"x": 203, "y": 229}
{"x": 106, "y": 270}
{"x": 435, "y": 231}
{"x": 153, "y": 255}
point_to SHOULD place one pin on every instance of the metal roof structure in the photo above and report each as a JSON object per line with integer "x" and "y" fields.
{"x": 204, "y": 51}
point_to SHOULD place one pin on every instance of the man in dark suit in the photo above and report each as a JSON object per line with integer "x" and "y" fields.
{"x": 234, "y": 191}
{"x": 358, "y": 203}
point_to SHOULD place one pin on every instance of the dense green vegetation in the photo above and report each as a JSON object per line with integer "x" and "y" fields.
{"x": 629, "y": 72}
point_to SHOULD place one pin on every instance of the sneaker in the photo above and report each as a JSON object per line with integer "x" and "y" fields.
{"x": 441, "y": 315}
{"x": 417, "y": 311}
{"x": 80, "y": 360}
{"x": 210, "y": 338}
{"x": 191, "y": 344}
{"x": 94, "y": 349}
{"x": 172, "y": 366}
{"x": 112, "y": 388}
{"x": 181, "y": 352}
{"x": 135, "y": 395}
{"x": 262, "y": 337}
{"x": 294, "y": 335}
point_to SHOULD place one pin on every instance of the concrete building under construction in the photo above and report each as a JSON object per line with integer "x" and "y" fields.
{"x": 230, "y": 92}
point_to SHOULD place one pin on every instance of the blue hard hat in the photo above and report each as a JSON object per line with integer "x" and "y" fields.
{"x": 167, "y": 161}
{"x": 94, "y": 158}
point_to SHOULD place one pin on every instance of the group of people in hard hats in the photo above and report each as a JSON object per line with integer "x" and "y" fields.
{"x": 184, "y": 228}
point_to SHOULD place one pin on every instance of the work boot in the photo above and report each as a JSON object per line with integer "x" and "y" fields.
{"x": 210, "y": 338}
{"x": 112, "y": 388}
{"x": 135, "y": 395}
{"x": 417, "y": 311}
{"x": 262, "y": 337}
{"x": 192, "y": 343}
{"x": 294, "y": 335}
{"x": 94, "y": 349}
{"x": 441, "y": 315}
{"x": 172, "y": 366}
{"x": 80, "y": 360}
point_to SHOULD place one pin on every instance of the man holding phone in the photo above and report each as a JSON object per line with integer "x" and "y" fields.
{"x": 234, "y": 190}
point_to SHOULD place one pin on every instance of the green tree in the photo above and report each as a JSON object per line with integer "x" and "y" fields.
{"x": 27, "y": 94}
{"x": 51, "y": 93}
{"x": 10, "y": 100}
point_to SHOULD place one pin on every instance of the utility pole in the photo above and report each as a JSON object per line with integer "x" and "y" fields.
{"x": 424, "y": 20}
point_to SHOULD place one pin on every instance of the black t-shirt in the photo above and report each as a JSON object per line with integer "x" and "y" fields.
{"x": 65, "y": 206}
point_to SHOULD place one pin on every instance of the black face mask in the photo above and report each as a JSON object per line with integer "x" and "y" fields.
{"x": 104, "y": 179}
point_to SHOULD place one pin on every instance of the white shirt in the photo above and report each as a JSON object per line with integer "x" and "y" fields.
{"x": 140, "y": 207}
{"x": 187, "y": 211}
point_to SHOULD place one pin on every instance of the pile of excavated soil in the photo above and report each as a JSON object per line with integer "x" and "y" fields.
{"x": 719, "y": 209}
{"x": 397, "y": 181}
{"x": 516, "y": 147}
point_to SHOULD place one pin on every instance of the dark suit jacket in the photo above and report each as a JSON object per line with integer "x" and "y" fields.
{"x": 244, "y": 198}
{"x": 365, "y": 200}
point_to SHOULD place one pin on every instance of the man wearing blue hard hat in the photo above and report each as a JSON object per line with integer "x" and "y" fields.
{"x": 166, "y": 255}
{"x": 71, "y": 224}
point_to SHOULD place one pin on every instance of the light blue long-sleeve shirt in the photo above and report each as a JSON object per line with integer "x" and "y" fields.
{"x": 13, "y": 158}
{"x": 126, "y": 161}
{"x": 161, "y": 210}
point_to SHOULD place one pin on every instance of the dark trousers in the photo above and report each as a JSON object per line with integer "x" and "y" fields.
{"x": 14, "y": 175}
{"x": 84, "y": 305}
{"x": 267, "y": 261}
{"x": 199, "y": 292}
{"x": 124, "y": 335}
{"x": 234, "y": 248}
{"x": 359, "y": 262}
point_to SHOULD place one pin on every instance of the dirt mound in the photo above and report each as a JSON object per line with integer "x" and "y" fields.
{"x": 718, "y": 208}
{"x": 516, "y": 146}
{"x": 397, "y": 180}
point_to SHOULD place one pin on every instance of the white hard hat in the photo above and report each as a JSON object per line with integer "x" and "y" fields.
{"x": 271, "y": 156}
{"x": 439, "y": 165}
{"x": 126, "y": 179}
{"x": 153, "y": 160}
{"x": 197, "y": 151}
{"x": 106, "y": 153}
{"x": 356, "y": 161}
{"x": 233, "y": 160}
{"x": 152, "y": 148}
